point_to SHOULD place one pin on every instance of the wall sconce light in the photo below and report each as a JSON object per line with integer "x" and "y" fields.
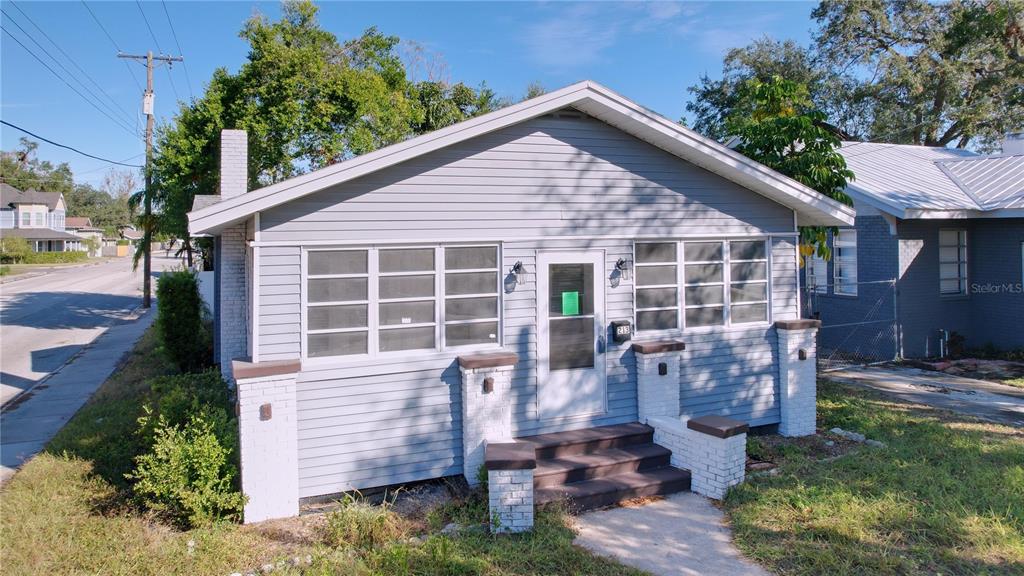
{"x": 622, "y": 266}
{"x": 514, "y": 276}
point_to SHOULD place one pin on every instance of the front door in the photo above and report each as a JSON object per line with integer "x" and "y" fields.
{"x": 570, "y": 334}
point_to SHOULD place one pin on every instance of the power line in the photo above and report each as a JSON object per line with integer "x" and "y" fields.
{"x": 158, "y": 48}
{"x": 68, "y": 84}
{"x": 131, "y": 72}
{"x": 180, "y": 51}
{"x": 62, "y": 67}
{"x": 73, "y": 63}
{"x": 73, "y": 149}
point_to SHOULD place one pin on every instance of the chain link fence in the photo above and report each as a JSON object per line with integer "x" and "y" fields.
{"x": 858, "y": 323}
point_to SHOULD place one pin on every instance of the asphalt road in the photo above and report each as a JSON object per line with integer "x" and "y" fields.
{"x": 45, "y": 320}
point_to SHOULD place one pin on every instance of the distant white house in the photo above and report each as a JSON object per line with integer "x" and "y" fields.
{"x": 82, "y": 227}
{"x": 38, "y": 217}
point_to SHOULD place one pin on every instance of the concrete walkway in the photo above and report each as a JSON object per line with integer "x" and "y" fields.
{"x": 28, "y": 423}
{"x": 985, "y": 400}
{"x": 683, "y": 534}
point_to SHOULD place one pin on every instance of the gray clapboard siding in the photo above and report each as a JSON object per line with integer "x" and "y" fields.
{"x": 785, "y": 279}
{"x": 280, "y": 300}
{"x": 557, "y": 177}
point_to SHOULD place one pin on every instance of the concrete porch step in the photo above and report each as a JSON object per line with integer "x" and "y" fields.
{"x": 588, "y": 440}
{"x": 600, "y": 492}
{"x": 601, "y": 463}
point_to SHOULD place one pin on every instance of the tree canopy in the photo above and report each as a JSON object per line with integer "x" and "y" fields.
{"x": 902, "y": 71}
{"x": 307, "y": 100}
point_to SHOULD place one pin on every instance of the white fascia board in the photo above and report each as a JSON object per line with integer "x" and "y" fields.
{"x": 965, "y": 214}
{"x": 594, "y": 99}
{"x": 859, "y": 194}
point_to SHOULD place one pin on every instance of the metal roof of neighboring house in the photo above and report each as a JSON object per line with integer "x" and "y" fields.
{"x": 37, "y": 234}
{"x": 911, "y": 181}
{"x": 811, "y": 207}
{"x": 994, "y": 181}
{"x": 11, "y": 195}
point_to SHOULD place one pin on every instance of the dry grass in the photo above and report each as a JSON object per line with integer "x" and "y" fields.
{"x": 946, "y": 496}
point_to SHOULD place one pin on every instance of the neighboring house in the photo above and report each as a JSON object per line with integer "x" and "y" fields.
{"x": 945, "y": 227}
{"x": 82, "y": 227}
{"x": 38, "y": 217}
{"x": 385, "y": 317}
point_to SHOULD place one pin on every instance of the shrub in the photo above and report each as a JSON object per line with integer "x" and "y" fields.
{"x": 16, "y": 250}
{"x": 176, "y": 398}
{"x": 189, "y": 475}
{"x": 362, "y": 525}
{"x": 180, "y": 320}
{"x": 13, "y": 249}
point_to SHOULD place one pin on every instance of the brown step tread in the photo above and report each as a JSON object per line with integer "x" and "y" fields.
{"x": 608, "y": 462}
{"x": 609, "y": 490}
{"x": 557, "y": 444}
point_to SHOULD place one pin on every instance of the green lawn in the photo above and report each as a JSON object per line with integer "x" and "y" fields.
{"x": 69, "y": 511}
{"x": 1017, "y": 382}
{"x": 946, "y": 496}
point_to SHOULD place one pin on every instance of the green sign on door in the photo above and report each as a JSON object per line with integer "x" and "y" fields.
{"x": 570, "y": 303}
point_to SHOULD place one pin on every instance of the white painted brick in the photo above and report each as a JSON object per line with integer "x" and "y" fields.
{"x": 269, "y": 449}
{"x": 797, "y": 382}
{"x": 486, "y": 417}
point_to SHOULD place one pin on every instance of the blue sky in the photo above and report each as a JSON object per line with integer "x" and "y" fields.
{"x": 649, "y": 52}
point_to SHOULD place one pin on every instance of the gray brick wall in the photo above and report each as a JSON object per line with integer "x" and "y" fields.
{"x": 234, "y": 150}
{"x": 232, "y": 298}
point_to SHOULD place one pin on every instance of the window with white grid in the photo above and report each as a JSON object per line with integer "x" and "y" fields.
{"x": 657, "y": 286}
{"x": 952, "y": 261}
{"x": 844, "y": 258}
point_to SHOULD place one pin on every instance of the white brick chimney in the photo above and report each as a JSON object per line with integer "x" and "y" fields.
{"x": 234, "y": 158}
{"x": 1013, "y": 143}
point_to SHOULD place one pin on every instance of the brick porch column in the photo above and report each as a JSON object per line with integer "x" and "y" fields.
{"x": 798, "y": 385}
{"x": 510, "y": 468}
{"x": 657, "y": 377}
{"x": 268, "y": 438}
{"x": 486, "y": 406}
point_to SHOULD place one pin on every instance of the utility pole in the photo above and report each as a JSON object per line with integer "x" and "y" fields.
{"x": 147, "y": 194}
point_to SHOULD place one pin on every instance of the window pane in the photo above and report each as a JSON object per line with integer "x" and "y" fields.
{"x": 948, "y": 270}
{"x": 336, "y": 289}
{"x": 337, "y": 262}
{"x": 948, "y": 254}
{"x": 406, "y": 286}
{"x": 324, "y": 317}
{"x": 702, "y": 251}
{"x": 744, "y": 271}
{"x": 336, "y": 344}
{"x": 749, "y": 313}
{"x": 470, "y": 308}
{"x": 653, "y": 275}
{"x": 566, "y": 280}
{"x": 471, "y": 283}
{"x": 949, "y": 237}
{"x": 657, "y": 320}
{"x": 407, "y": 260}
{"x": 950, "y": 286}
{"x": 478, "y": 333}
{"x": 696, "y": 317}
{"x": 407, "y": 339}
{"x": 748, "y": 292}
{"x": 571, "y": 343}
{"x": 656, "y": 297}
{"x": 703, "y": 273}
{"x": 406, "y": 313}
{"x": 471, "y": 257}
{"x": 661, "y": 252}
{"x": 747, "y": 250}
{"x": 704, "y": 295}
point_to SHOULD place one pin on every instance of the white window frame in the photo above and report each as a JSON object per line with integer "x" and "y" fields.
{"x": 26, "y": 219}
{"x": 636, "y": 287}
{"x": 816, "y": 273}
{"x": 726, "y": 284}
{"x": 961, "y": 262}
{"x": 373, "y": 303}
{"x": 842, "y": 261}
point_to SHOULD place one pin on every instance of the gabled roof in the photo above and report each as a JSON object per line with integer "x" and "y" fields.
{"x": 78, "y": 222}
{"x": 9, "y": 195}
{"x": 909, "y": 181}
{"x": 589, "y": 97}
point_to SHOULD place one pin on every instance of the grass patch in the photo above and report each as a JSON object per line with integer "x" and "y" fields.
{"x": 68, "y": 511}
{"x": 1015, "y": 382}
{"x": 944, "y": 497}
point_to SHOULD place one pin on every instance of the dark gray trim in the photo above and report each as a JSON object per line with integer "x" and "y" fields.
{"x": 803, "y": 324}
{"x": 488, "y": 360}
{"x": 717, "y": 426}
{"x": 242, "y": 368}
{"x": 510, "y": 456}
{"x": 659, "y": 346}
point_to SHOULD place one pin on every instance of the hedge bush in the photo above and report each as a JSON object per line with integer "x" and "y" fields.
{"x": 189, "y": 468}
{"x": 180, "y": 320}
{"x": 189, "y": 475}
{"x": 17, "y": 251}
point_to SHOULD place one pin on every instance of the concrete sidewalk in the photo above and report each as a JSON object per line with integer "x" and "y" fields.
{"x": 682, "y": 535}
{"x": 985, "y": 400}
{"x": 28, "y": 423}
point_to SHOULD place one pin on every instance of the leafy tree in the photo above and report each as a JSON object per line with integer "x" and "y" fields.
{"x": 776, "y": 124}
{"x": 902, "y": 71}
{"x": 307, "y": 101}
{"x": 23, "y": 170}
{"x": 535, "y": 89}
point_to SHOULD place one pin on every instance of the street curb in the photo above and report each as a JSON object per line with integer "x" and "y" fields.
{"x": 12, "y": 403}
{"x": 28, "y": 275}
